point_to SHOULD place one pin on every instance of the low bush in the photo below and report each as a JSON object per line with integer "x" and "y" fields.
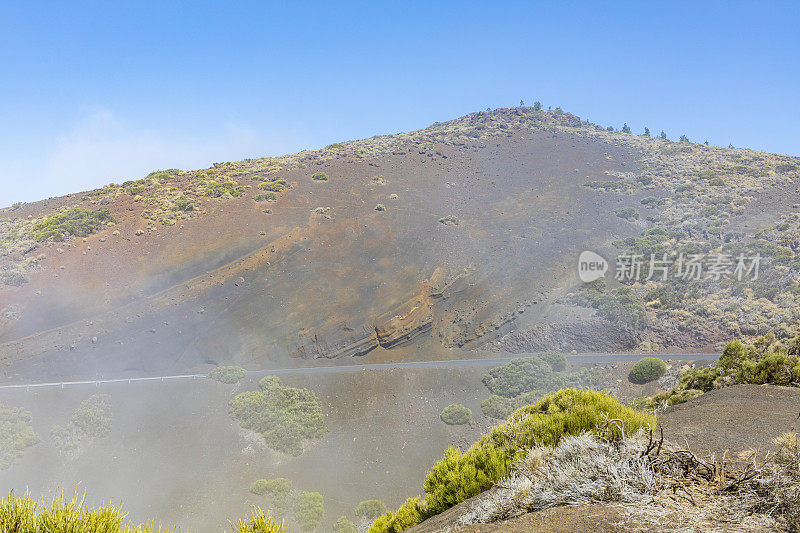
{"x": 279, "y": 487}
{"x": 22, "y": 514}
{"x": 72, "y": 222}
{"x": 91, "y": 420}
{"x": 16, "y": 434}
{"x": 284, "y": 416}
{"x": 227, "y": 374}
{"x": 257, "y": 522}
{"x": 628, "y": 213}
{"x": 319, "y": 176}
{"x": 498, "y": 407}
{"x": 518, "y": 377}
{"x": 456, "y": 414}
{"x": 270, "y": 196}
{"x": 764, "y": 361}
{"x": 462, "y": 475}
{"x": 308, "y": 510}
{"x": 343, "y": 525}
{"x": 647, "y": 369}
{"x": 370, "y": 509}
{"x": 450, "y": 220}
{"x": 411, "y": 513}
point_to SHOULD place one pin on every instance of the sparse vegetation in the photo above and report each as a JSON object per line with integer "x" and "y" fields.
{"x": 71, "y": 222}
{"x": 319, "y": 176}
{"x": 227, "y": 374}
{"x": 628, "y": 213}
{"x": 285, "y": 416}
{"x": 16, "y": 434}
{"x": 617, "y": 305}
{"x": 308, "y": 510}
{"x": 461, "y": 475}
{"x": 23, "y": 514}
{"x": 765, "y": 361}
{"x": 370, "y": 509}
{"x": 91, "y": 420}
{"x": 258, "y": 522}
{"x": 456, "y": 414}
{"x": 450, "y": 220}
{"x": 647, "y": 369}
{"x": 343, "y": 525}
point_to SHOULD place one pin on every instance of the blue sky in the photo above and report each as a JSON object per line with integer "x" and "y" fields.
{"x": 94, "y": 92}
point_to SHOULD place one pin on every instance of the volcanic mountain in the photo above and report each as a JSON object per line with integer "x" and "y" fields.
{"x": 459, "y": 238}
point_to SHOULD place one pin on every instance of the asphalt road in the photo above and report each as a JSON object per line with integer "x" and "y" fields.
{"x": 332, "y": 369}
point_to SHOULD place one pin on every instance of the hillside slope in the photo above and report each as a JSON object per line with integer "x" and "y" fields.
{"x": 460, "y": 236}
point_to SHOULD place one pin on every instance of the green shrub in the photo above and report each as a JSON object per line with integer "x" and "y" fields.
{"x": 283, "y": 415}
{"x": 519, "y": 376}
{"x": 343, "y": 525}
{"x": 91, "y": 420}
{"x": 498, "y": 407}
{"x": 75, "y": 221}
{"x": 269, "y": 197}
{"x": 371, "y": 509}
{"x": 319, "y": 176}
{"x": 628, "y": 213}
{"x": 617, "y": 305}
{"x": 556, "y": 360}
{"x": 16, "y": 434}
{"x": 216, "y": 189}
{"x": 456, "y": 414}
{"x": 700, "y": 378}
{"x": 274, "y": 186}
{"x": 450, "y": 220}
{"x": 672, "y": 397}
{"x": 227, "y": 374}
{"x": 22, "y": 514}
{"x": 308, "y": 510}
{"x": 279, "y": 487}
{"x": 411, "y": 513}
{"x": 459, "y": 476}
{"x": 259, "y": 523}
{"x": 647, "y": 369}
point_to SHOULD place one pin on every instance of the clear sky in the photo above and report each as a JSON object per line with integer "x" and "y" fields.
{"x": 93, "y": 92}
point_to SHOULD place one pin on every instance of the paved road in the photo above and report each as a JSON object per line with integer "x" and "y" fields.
{"x": 589, "y": 358}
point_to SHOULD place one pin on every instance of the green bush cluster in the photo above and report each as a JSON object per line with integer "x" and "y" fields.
{"x": 283, "y": 415}
{"x": 462, "y": 475}
{"x": 268, "y": 197}
{"x": 647, "y": 369}
{"x": 216, "y": 189}
{"x": 319, "y": 176}
{"x": 91, "y": 420}
{"x": 22, "y": 514}
{"x": 308, "y": 510}
{"x": 765, "y": 361}
{"x": 274, "y": 186}
{"x": 456, "y": 414}
{"x": 523, "y": 381}
{"x": 371, "y": 509}
{"x": 279, "y": 487}
{"x": 74, "y": 221}
{"x": 450, "y": 220}
{"x": 628, "y": 213}
{"x": 519, "y": 376}
{"x": 227, "y": 374}
{"x": 16, "y": 434}
{"x": 343, "y": 525}
{"x": 617, "y": 305}
{"x": 258, "y": 522}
